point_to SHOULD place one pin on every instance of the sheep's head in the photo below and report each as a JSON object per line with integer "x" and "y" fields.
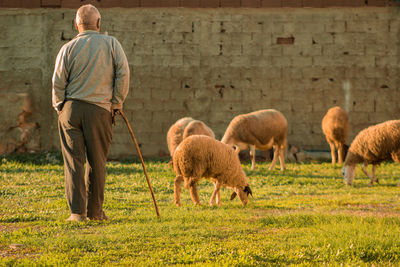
{"x": 243, "y": 194}
{"x": 235, "y": 144}
{"x": 348, "y": 172}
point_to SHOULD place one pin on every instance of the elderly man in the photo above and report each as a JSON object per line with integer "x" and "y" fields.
{"x": 90, "y": 84}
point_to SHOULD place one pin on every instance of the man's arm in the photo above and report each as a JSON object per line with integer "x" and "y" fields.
{"x": 59, "y": 80}
{"x": 121, "y": 78}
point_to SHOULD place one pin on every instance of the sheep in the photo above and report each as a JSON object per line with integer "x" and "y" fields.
{"x": 197, "y": 127}
{"x": 335, "y": 126}
{"x": 200, "y": 156}
{"x": 175, "y": 134}
{"x": 183, "y": 128}
{"x": 261, "y": 129}
{"x": 372, "y": 146}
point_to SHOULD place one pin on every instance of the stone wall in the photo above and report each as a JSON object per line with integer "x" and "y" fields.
{"x": 194, "y": 3}
{"x": 212, "y": 64}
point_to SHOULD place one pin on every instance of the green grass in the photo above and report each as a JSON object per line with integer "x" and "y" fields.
{"x": 303, "y": 216}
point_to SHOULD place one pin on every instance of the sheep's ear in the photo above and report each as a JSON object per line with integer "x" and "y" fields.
{"x": 233, "y": 195}
{"x": 248, "y": 191}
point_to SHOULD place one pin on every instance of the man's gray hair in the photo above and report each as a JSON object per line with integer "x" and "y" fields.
{"x": 87, "y": 15}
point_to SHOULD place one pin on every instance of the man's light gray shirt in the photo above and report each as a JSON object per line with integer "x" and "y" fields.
{"x": 93, "y": 68}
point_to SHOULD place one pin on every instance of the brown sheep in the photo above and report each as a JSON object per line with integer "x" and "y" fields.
{"x": 262, "y": 130}
{"x": 183, "y": 128}
{"x": 335, "y": 126}
{"x": 372, "y": 146}
{"x": 199, "y": 157}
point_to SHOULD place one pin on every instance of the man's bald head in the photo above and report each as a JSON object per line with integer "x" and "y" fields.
{"x": 88, "y": 18}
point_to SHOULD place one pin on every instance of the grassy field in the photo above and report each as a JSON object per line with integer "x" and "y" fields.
{"x": 303, "y": 216}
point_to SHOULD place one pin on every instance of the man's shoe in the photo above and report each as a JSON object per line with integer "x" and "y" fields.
{"x": 76, "y": 218}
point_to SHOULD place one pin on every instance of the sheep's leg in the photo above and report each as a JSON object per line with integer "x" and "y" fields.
{"x": 396, "y": 158}
{"x": 253, "y": 154}
{"x": 177, "y": 190}
{"x": 364, "y": 169}
{"x": 333, "y": 154}
{"x": 194, "y": 193}
{"x": 373, "y": 173}
{"x": 216, "y": 194}
{"x": 282, "y": 159}
{"x": 340, "y": 153}
{"x": 370, "y": 176}
{"x": 275, "y": 159}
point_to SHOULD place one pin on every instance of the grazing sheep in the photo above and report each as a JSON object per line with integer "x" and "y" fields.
{"x": 372, "y": 146}
{"x": 200, "y": 156}
{"x": 261, "y": 129}
{"x": 183, "y": 128}
{"x": 335, "y": 126}
{"x": 175, "y": 134}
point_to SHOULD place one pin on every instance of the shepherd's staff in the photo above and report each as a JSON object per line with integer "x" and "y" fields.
{"x": 141, "y": 159}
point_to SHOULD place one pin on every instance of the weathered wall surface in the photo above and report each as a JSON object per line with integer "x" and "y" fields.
{"x": 210, "y": 64}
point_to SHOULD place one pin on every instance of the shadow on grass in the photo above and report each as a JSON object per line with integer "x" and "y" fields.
{"x": 124, "y": 170}
{"x": 15, "y": 219}
{"x": 22, "y": 160}
{"x": 44, "y": 158}
{"x": 22, "y": 169}
{"x": 366, "y": 185}
{"x": 288, "y": 173}
{"x": 134, "y": 165}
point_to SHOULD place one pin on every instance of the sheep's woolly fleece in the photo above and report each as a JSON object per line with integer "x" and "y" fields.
{"x": 335, "y": 126}
{"x": 202, "y": 156}
{"x": 376, "y": 144}
{"x": 258, "y": 128}
{"x": 183, "y": 128}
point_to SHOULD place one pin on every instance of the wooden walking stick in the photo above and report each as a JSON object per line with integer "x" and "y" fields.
{"x": 141, "y": 159}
